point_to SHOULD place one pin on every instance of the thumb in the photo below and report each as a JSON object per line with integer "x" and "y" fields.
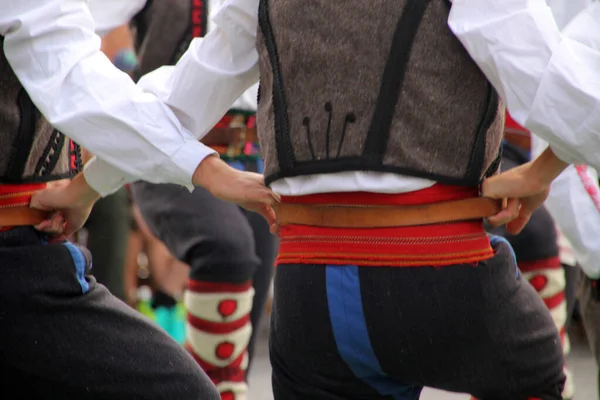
{"x": 40, "y": 201}
{"x": 48, "y": 199}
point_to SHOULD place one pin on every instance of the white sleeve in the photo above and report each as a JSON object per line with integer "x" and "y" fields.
{"x": 565, "y": 11}
{"x": 574, "y": 203}
{"x": 248, "y": 100}
{"x": 549, "y": 81}
{"x": 52, "y": 48}
{"x": 222, "y": 66}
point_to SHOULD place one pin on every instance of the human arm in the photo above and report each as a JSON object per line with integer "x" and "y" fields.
{"x": 526, "y": 187}
{"x": 205, "y": 82}
{"x": 74, "y": 200}
{"x": 574, "y": 203}
{"x": 548, "y": 80}
{"x": 54, "y": 52}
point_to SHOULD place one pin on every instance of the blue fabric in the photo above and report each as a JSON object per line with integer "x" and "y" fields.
{"x": 495, "y": 240}
{"x": 80, "y": 265}
{"x": 126, "y": 60}
{"x": 352, "y": 337}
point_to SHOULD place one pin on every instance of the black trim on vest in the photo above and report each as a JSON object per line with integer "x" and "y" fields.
{"x": 392, "y": 81}
{"x": 285, "y": 152}
{"x": 24, "y": 140}
{"x": 494, "y": 165}
{"x": 258, "y": 94}
{"x": 75, "y": 157}
{"x": 51, "y": 154}
{"x": 477, "y": 160}
{"x": 357, "y": 164}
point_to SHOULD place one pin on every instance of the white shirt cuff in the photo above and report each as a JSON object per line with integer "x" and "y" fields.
{"x": 103, "y": 177}
{"x": 106, "y": 179}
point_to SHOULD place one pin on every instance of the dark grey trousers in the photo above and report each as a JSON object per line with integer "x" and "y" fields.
{"x": 108, "y": 228}
{"x": 63, "y": 336}
{"x": 220, "y": 241}
{"x": 385, "y": 332}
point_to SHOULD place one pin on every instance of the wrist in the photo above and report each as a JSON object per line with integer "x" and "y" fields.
{"x": 81, "y": 192}
{"x": 548, "y": 166}
{"x": 210, "y": 169}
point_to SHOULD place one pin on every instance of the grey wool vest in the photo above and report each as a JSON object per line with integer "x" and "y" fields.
{"x": 165, "y": 29}
{"x": 31, "y": 149}
{"x": 377, "y": 85}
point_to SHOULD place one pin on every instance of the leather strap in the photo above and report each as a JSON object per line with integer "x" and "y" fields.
{"x": 21, "y": 216}
{"x": 343, "y": 216}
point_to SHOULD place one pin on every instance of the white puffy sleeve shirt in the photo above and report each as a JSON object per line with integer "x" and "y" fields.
{"x": 549, "y": 80}
{"x": 53, "y": 50}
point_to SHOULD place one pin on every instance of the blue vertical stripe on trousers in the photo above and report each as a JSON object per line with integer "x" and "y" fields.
{"x": 80, "y": 265}
{"x": 352, "y": 337}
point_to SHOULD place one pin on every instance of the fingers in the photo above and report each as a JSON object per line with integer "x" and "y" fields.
{"x": 55, "y": 225}
{"x": 70, "y": 229}
{"x": 275, "y": 229}
{"x": 268, "y": 213}
{"x": 515, "y": 226}
{"x": 276, "y": 196}
{"x": 509, "y": 213}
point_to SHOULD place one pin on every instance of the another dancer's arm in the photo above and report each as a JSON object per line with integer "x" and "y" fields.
{"x": 574, "y": 202}
{"x": 549, "y": 82}
{"x": 54, "y": 52}
{"x": 208, "y": 78}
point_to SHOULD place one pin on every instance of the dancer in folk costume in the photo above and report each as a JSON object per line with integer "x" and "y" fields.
{"x": 63, "y": 334}
{"x": 378, "y": 129}
{"x": 230, "y": 251}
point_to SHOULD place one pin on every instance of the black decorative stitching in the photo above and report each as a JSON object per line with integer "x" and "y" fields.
{"x": 51, "y": 154}
{"x": 350, "y": 118}
{"x": 55, "y": 155}
{"x": 329, "y": 111}
{"x": 76, "y": 155}
{"x": 306, "y": 123}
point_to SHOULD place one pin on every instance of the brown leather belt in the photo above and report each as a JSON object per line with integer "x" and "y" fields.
{"x": 22, "y": 216}
{"x": 344, "y": 216}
